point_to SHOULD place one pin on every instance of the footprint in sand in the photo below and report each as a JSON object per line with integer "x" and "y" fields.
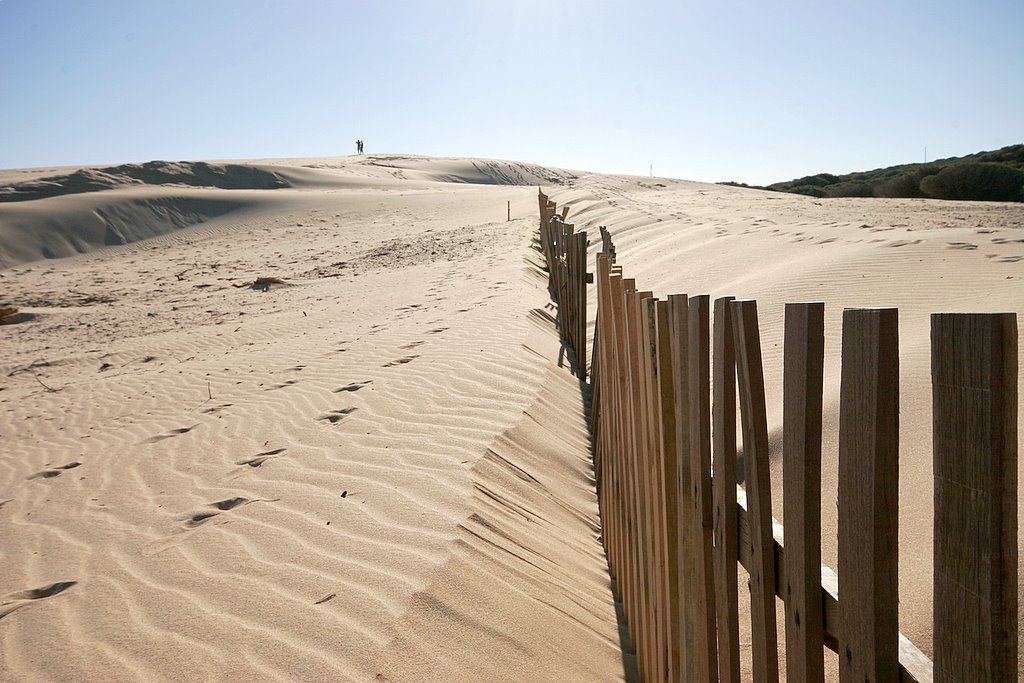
{"x": 437, "y": 330}
{"x": 13, "y": 601}
{"x": 215, "y": 409}
{"x": 170, "y": 433}
{"x": 411, "y": 345}
{"x": 282, "y": 385}
{"x": 55, "y": 472}
{"x": 198, "y": 518}
{"x": 336, "y": 416}
{"x": 355, "y": 386}
{"x": 400, "y": 361}
{"x": 962, "y": 245}
{"x": 260, "y": 458}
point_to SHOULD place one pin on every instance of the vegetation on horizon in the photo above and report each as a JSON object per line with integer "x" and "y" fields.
{"x": 986, "y": 176}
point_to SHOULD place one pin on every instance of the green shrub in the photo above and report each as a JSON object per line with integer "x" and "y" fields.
{"x": 984, "y": 181}
{"x": 850, "y": 189}
{"x": 809, "y": 190}
{"x": 904, "y": 184}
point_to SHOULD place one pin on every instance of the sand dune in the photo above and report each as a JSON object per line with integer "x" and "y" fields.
{"x": 96, "y": 207}
{"x": 335, "y": 479}
{"x": 229, "y": 176}
{"x": 378, "y": 469}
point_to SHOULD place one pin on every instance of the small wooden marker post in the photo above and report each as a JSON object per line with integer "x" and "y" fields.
{"x": 509, "y": 212}
{"x": 974, "y": 401}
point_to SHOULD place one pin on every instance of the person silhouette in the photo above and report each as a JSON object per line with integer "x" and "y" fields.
{"x": 359, "y": 146}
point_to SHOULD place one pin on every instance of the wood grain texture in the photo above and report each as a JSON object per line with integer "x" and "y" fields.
{"x": 654, "y": 498}
{"x": 803, "y": 372}
{"x": 613, "y": 390}
{"x": 669, "y": 469}
{"x": 638, "y": 589}
{"x": 974, "y": 401}
{"x": 750, "y": 376}
{"x": 703, "y": 603}
{"x": 601, "y": 411}
{"x": 689, "y": 584}
{"x": 723, "y": 415}
{"x": 868, "y": 496}
{"x": 581, "y": 301}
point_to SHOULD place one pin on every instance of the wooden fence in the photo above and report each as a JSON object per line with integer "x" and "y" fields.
{"x": 664, "y": 420}
{"x": 565, "y": 254}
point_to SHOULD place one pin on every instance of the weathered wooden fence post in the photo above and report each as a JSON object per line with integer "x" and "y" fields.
{"x": 974, "y": 403}
{"x": 723, "y": 411}
{"x": 686, "y": 557}
{"x": 868, "y": 496}
{"x": 580, "y": 302}
{"x": 703, "y": 603}
{"x": 654, "y": 499}
{"x": 803, "y": 372}
{"x": 750, "y": 374}
{"x": 670, "y": 482}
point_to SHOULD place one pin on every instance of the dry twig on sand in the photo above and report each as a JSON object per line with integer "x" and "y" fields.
{"x": 32, "y": 369}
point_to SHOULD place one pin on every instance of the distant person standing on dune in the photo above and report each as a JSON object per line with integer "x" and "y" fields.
{"x": 359, "y": 146}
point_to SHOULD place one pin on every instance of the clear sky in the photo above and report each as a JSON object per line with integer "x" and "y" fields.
{"x": 710, "y": 90}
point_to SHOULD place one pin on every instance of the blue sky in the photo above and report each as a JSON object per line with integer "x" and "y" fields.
{"x": 700, "y": 89}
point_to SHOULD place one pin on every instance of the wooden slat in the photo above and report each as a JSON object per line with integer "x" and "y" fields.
{"x": 723, "y": 486}
{"x": 868, "y": 496}
{"x": 653, "y": 494}
{"x": 645, "y": 522}
{"x": 703, "y": 603}
{"x": 630, "y": 517}
{"x": 670, "y": 466}
{"x": 641, "y": 617}
{"x": 686, "y": 523}
{"x": 974, "y": 409}
{"x": 599, "y": 413}
{"x": 581, "y": 302}
{"x": 803, "y": 373}
{"x": 750, "y": 376}
{"x": 624, "y": 564}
